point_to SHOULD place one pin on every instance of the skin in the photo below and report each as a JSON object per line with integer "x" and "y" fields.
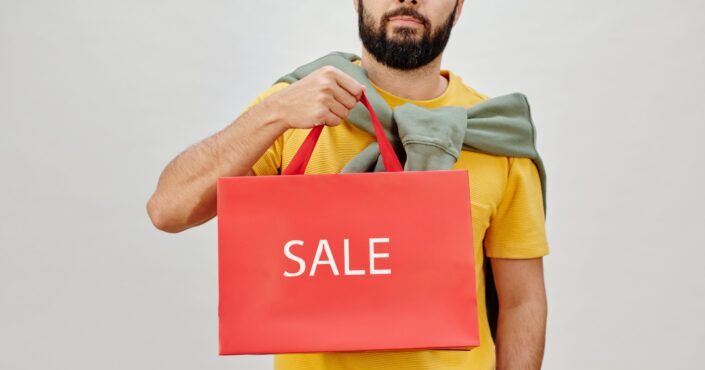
{"x": 520, "y": 285}
{"x": 186, "y": 191}
{"x": 420, "y": 84}
{"x": 521, "y": 331}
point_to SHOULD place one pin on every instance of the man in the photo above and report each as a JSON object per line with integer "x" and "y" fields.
{"x": 403, "y": 41}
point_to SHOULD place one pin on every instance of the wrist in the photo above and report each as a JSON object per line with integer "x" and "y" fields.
{"x": 273, "y": 114}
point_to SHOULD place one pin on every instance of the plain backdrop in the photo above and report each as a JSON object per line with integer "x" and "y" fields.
{"x": 96, "y": 97}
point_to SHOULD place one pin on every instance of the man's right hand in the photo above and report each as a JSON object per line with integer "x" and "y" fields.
{"x": 186, "y": 191}
{"x": 325, "y": 96}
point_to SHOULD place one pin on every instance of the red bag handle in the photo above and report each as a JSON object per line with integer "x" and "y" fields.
{"x": 302, "y": 156}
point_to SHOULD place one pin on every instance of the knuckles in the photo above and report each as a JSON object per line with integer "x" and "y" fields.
{"x": 321, "y": 114}
{"x": 327, "y": 86}
{"x": 329, "y": 71}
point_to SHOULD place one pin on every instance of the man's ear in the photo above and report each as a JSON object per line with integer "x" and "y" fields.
{"x": 457, "y": 12}
{"x": 356, "y": 4}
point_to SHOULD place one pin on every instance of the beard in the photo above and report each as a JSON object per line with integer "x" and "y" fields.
{"x": 404, "y": 52}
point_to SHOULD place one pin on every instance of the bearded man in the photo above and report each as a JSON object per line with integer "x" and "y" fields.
{"x": 402, "y": 47}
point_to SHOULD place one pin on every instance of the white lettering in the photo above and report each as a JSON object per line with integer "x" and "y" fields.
{"x": 287, "y": 252}
{"x": 329, "y": 259}
{"x": 346, "y": 248}
{"x": 323, "y": 245}
{"x": 374, "y": 255}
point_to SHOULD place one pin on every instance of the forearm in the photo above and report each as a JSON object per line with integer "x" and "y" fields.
{"x": 186, "y": 190}
{"x": 521, "y": 334}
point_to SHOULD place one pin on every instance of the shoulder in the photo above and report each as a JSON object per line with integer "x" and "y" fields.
{"x": 466, "y": 89}
{"x": 267, "y": 92}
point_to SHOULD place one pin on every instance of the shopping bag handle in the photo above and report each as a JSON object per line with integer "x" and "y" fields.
{"x": 302, "y": 156}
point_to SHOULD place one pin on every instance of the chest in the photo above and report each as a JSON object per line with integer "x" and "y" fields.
{"x": 338, "y": 145}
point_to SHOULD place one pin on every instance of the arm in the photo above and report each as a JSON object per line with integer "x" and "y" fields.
{"x": 186, "y": 191}
{"x": 521, "y": 329}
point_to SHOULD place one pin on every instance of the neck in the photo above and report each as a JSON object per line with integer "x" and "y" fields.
{"x": 424, "y": 83}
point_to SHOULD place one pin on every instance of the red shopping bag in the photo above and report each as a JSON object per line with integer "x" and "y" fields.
{"x": 345, "y": 262}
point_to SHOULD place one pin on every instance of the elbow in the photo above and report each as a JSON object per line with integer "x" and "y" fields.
{"x": 161, "y": 218}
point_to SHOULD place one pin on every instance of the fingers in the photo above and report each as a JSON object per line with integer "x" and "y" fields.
{"x": 325, "y": 112}
{"x": 334, "y": 94}
{"x": 331, "y": 119}
{"x": 339, "y": 110}
{"x": 344, "y": 98}
{"x": 351, "y": 85}
{"x": 346, "y": 82}
{"x": 331, "y": 89}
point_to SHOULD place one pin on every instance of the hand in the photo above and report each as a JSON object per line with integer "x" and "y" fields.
{"x": 325, "y": 96}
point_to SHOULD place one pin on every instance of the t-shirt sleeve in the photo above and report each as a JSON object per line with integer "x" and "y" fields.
{"x": 270, "y": 162}
{"x": 517, "y": 229}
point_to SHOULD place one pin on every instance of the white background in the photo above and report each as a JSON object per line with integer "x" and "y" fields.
{"x": 96, "y": 97}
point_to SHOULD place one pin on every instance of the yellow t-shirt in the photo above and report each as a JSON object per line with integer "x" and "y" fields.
{"x": 507, "y": 217}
